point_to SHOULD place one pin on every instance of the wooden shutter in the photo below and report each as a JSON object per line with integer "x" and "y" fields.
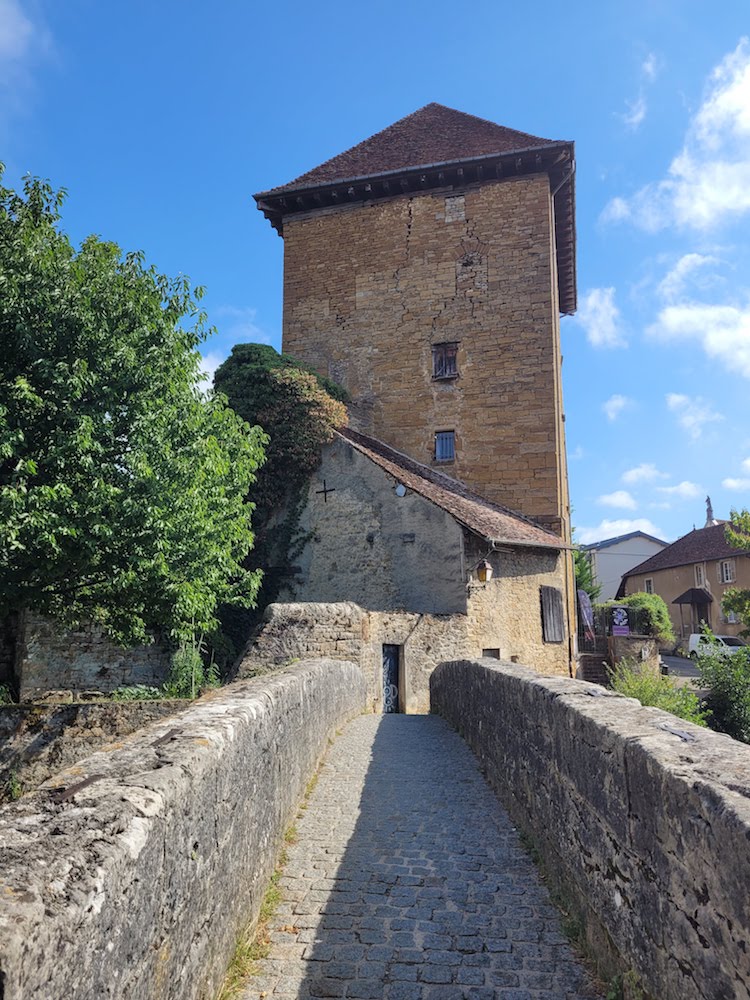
{"x": 553, "y": 624}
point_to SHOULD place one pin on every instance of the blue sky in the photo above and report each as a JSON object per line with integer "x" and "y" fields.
{"x": 162, "y": 119}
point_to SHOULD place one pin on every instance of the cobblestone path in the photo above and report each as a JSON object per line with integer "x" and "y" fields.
{"x": 408, "y": 882}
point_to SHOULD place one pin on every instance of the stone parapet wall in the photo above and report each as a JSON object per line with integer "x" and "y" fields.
{"x": 37, "y": 741}
{"x": 132, "y": 874}
{"x": 50, "y": 658}
{"x": 642, "y": 817}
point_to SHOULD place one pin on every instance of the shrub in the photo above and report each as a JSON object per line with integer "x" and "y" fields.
{"x": 728, "y": 681}
{"x": 629, "y": 677}
{"x": 189, "y": 675}
{"x": 651, "y": 613}
{"x": 136, "y": 692}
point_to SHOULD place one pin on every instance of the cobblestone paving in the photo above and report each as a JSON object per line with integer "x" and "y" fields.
{"x": 408, "y": 882}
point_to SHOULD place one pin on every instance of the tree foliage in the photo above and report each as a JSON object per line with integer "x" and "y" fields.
{"x": 735, "y": 599}
{"x": 299, "y": 410}
{"x": 585, "y": 574}
{"x": 651, "y": 614}
{"x": 123, "y": 486}
{"x": 631, "y": 678}
{"x": 728, "y": 681}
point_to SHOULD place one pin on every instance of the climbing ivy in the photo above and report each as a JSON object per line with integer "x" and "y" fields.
{"x": 299, "y": 410}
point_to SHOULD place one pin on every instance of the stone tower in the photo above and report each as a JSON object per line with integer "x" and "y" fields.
{"x": 425, "y": 270}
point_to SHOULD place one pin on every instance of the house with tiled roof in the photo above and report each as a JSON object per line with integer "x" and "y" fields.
{"x": 425, "y": 271}
{"x": 692, "y": 575}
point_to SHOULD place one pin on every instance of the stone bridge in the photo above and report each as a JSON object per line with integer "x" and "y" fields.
{"x": 134, "y": 873}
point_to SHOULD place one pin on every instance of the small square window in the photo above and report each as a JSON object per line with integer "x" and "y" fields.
{"x": 444, "y": 363}
{"x": 492, "y": 654}
{"x": 649, "y": 585}
{"x": 445, "y": 446}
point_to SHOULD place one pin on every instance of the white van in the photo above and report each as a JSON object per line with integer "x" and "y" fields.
{"x": 725, "y": 645}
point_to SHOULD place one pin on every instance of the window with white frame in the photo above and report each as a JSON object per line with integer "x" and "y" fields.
{"x": 726, "y": 571}
{"x": 700, "y": 576}
{"x": 649, "y": 585}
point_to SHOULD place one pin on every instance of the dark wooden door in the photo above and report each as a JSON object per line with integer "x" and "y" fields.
{"x": 390, "y": 678}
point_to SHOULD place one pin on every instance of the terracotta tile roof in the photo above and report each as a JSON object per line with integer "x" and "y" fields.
{"x": 489, "y": 520}
{"x": 699, "y": 545}
{"x": 433, "y": 134}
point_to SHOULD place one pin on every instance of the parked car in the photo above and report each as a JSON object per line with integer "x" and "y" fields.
{"x": 725, "y": 645}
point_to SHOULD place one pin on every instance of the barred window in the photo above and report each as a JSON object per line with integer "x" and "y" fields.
{"x": 444, "y": 363}
{"x": 445, "y": 446}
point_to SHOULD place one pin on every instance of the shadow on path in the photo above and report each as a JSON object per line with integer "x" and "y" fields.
{"x": 408, "y": 882}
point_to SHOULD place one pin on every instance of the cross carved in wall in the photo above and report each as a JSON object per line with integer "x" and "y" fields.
{"x": 325, "y": 491}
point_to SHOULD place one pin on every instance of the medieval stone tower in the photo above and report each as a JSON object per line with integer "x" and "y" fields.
{"x": 425, "y": 270}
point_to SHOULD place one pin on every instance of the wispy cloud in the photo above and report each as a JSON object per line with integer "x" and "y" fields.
{"x": 682, "y": 491}
{"x": 239, "y": 325}
{"x": 723, "y": 331}
{"x": 614, "y": 406}
{"x": 637, "y": 107}
{"x": 708, "y": 181}
{"x": 210, "y": 362}
{"x": 687, "y": 275}
{"x": 746, "y": 464}
{"x": 644, "y": 473}
{"x": 620, "y": 498}
{"x": 600, "y": 318}
{"x": 619, "y": 526}
{"x": 736, "y": 484}
{"x": 692, "y": 413}
{"x": 23, "y": 42}
{"x": 577, "y": 454}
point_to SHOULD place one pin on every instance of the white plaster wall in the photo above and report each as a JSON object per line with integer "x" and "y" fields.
{"x": 611, "y": 563}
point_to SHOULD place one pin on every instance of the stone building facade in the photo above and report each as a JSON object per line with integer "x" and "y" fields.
{"x": 399, "y": 557}
{"x": 425, "y": 270}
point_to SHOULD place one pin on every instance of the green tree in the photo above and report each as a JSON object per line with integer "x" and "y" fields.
{"x": 123, "y": 486}
{"x": 585, "y": 574}
{"x": 299, "y": 410}
{"x": 735, "y": 599}
{"x": 728, "y": 681}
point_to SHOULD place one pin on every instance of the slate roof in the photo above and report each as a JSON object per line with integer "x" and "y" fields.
{"x": 699, "y": 545}
{"x": 433, "y": 134}
{"x": 605, "y": 543}
{"x": 489, "y": 520}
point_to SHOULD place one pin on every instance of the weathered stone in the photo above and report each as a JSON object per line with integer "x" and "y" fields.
{"x": 132, "y": 874}
{"x": 644, "y": 818}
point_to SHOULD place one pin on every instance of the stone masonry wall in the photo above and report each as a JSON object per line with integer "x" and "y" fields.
{"x": 368, "y": 545}
{"x": 643, "y": 817}
{"x": 49, "y": 658}
{"x": 368, "y": 289}
{"x": 132, "y": 874}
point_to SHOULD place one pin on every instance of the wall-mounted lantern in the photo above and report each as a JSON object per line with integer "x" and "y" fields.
{"x": 484, "y": 571}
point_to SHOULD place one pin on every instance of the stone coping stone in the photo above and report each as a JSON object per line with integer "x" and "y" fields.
{"x": 132, "y": 873}
{"x": 644, "y": 816}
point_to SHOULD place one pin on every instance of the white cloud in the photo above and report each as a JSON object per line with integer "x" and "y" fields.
{"x": 210, "y": 361}
{"x": 577, "y": 454}
{"x": 722, "y": 330}
{"x": 637, "y": 107}
{"x": 683, "y": 491}
{"x": 746, "y": 464}
{"x": 736, "y": 484}
{"x": 22, "y": 43}
{"x": 649, "y": 67}
{"x": 636, "y": 112}
{"x": 615, "y": 405}
{"x": 240, "y": 326}
{"x": 620, "y": 498}
{"x": 600, "y": 318}
{"x": 709, "y": 179}
{"x": 692, "y": 413}
{"x": 620, "y": 526}
{"x": 675, "y": 283}
{"x": 644, "y": 473}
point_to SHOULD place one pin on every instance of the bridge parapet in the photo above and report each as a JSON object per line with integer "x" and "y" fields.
{"x": 132, "y": 873}
{"x": 643, "y": 819}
